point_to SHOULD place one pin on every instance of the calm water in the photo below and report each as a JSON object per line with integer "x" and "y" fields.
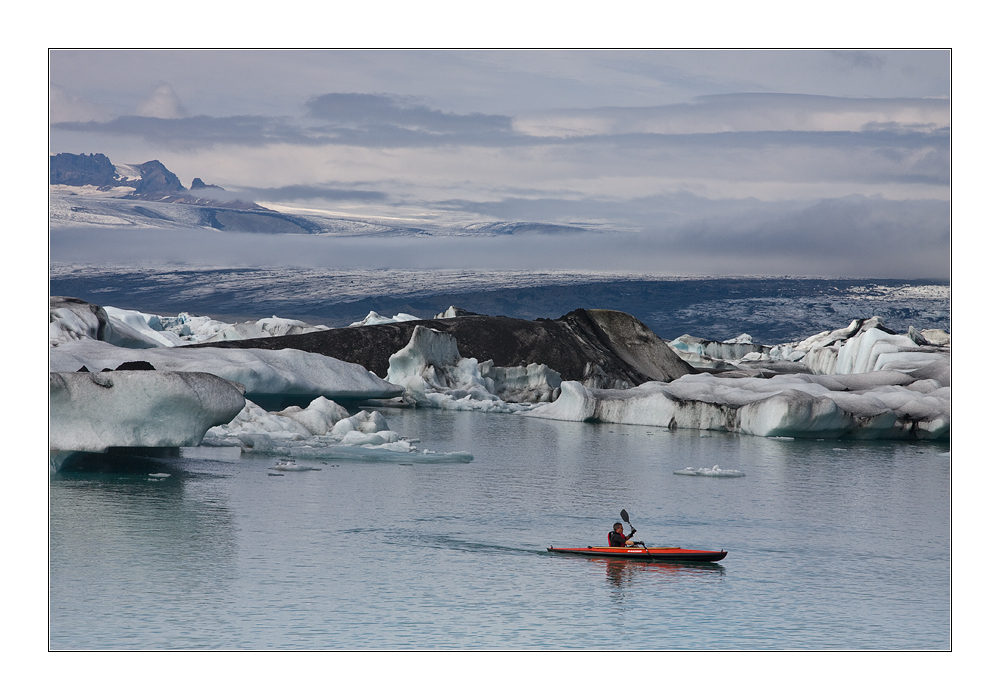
{"x": 833, "y": 545}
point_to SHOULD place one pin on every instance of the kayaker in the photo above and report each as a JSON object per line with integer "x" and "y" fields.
{"x": 617, "y": 537}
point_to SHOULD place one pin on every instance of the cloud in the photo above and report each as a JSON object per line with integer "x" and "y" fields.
{"x": 357, "y": 109}
{"x": 752, "y": 112}
{"x": 162, "y": 103}
{"x": 195, "y": 132}
{"x": 312, "y": 192}
{"x": 65, "y": 106}
{"x": 871, "y": 60}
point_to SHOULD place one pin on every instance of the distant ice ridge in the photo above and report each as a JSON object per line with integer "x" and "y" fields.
{"x": 322, "y": 430}
{"x": 72, "y": 319}
{"x": 434, "y": 374}
{"x": 709, "y": 471}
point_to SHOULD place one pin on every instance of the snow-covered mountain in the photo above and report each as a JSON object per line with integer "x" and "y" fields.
{"x": 91, "y": 191}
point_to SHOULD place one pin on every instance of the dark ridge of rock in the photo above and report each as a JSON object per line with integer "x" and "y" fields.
{"x": 78, "y": 170}
{"x": 606, "y": 349}
{"x": 158, "y": 184}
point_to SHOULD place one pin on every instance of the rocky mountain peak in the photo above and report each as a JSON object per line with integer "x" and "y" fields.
{"x": 199, "y": 184}
{"x": 157, "y": 179}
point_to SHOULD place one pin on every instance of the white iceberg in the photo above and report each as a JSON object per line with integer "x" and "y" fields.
{"x": 73, "y": 319}
{"x": 434, "y": 374}
{"x": 265, "y": 373}
{"x": 867, "y": 406}
{"x": 92, "y": 412}
{"x": 323, "y": 430}
{"x": 374, "y": 319}
{"x": 863, "y": 346}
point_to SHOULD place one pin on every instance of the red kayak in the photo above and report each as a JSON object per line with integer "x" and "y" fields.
{"x": 643, "y": 554}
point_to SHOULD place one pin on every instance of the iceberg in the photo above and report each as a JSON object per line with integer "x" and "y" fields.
{"x": 73, "y": 319}
{"x": 270, "y": 376}
{"x": 374, "y": 319}
{"x": 876, "y": 405}
{"x": 323, "y": 430}
{"x": 434, "y": 374}
{"x": 864, "y": 346}
{"x": 135, "y": 408}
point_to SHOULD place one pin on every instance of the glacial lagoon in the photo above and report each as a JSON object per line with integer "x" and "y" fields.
{"x": 833, "y": 544}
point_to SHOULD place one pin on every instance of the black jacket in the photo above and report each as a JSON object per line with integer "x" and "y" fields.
{"x": 616, "y": 540}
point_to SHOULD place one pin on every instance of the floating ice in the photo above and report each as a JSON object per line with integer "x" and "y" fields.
{"x": 865, "y": 345}
{"x": 434, "y": 374}
{"x": 290, "y": 465}
{"x": 373, "y": 319}
{"x": 92, "y": 412}
{"x": 264, "y": 328}
{"x": 324, "y": 430}
{"x": 709, "y": 471}
{"x": 276, "y": 373}
{"x": 796, "y": 405}
{"x": 73, "y": 319}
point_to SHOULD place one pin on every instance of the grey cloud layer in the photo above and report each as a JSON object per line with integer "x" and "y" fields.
{"x": 356, "y": 109}
{"x": 746, "y": 112}
{"x": 877, "y": 241}
{"x": 836, "y": 139}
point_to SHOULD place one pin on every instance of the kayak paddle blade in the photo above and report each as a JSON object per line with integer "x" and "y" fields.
{"x": 624, "y": 515}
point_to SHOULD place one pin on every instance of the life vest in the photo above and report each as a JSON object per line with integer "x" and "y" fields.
{"x": 618, "y": 545}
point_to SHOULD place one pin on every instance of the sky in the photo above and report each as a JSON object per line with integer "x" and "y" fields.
{"x": 681, "y": 162}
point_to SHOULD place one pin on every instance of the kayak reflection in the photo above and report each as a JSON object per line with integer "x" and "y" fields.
{"x": 620, "y": 573}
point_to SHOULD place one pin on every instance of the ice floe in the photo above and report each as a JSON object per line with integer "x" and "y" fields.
{"x": 709, "y": 471}
{"x": 323, "y": 430}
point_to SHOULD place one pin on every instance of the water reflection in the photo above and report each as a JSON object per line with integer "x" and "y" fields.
{"x": 622, "y": 573}
{"x": 129, "y": 532}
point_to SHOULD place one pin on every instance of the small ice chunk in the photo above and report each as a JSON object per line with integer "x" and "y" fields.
{"x": 709, "y": 471}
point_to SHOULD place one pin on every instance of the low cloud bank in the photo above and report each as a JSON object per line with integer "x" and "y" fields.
{"x": 853, "y": 237}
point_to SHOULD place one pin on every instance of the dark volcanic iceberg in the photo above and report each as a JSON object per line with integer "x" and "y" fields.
{"x": 599, "y": 348}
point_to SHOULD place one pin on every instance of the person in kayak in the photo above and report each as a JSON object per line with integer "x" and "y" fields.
{"x": 617, "y": 537}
